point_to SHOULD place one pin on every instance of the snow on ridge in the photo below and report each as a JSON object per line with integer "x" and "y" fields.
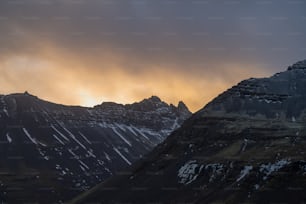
{"x": 9, "y": 139}
{"x": 34, "y": 140}
{"x": 216, "y": 169}
{"x": 6, "y": 112}
{"x": 85, "y": 138}
{"x": 189, "y": 172}
{"x": 107, "y": 156}
{"x": 61, "y": 134}
{"x": 244, "y": 172}
{"x": 74, "y": 138}
{"x": 78, "y": 158}
{"x": 122, "y": 156}
{"x": 269, "y": 168}
{"x": 121, "y": 126}
{"x": 141, "y": 133}
{"x": 29, "y": 136}
{"x": 58, "y": 139}
{"x": 135, "y": 130}
{"x": 121, "y": 136}
{"x": 4, "y": 106}
{"x": 73, "y": 154}
{"x": 175, "y": 124}
{"x": 245, "y": 144}
{"x": 130, "y": 128}
{"x": 90, "y": 153}
{"x": 83, "y": 164}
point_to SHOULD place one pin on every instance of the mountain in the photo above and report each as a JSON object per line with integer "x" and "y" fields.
{"x": 245, "y": 146}
{"x": 51, "y": 152}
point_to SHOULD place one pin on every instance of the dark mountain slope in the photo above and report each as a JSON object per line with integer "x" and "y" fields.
{"x": 246, "y": 146}
{"x": 50, "y": 153}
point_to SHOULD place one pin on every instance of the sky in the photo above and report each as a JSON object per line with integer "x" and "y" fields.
{"x": 79, "y": 52}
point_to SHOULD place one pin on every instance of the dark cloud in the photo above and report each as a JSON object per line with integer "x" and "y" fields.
{"x": 198, "y": 37}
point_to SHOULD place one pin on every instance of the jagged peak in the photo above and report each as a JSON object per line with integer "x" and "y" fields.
{"x": 267, "y": 97}
{"x": 298, "y": 65}
{"x": 182, "y": 106}
{"x": 183, "y": 110}
{"x": 154, "y": 99}
{"x": 149, "y": 104}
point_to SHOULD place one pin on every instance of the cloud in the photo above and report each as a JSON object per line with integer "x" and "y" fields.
{"x": 67, "y": 79}
{"x": 82, "y": 52}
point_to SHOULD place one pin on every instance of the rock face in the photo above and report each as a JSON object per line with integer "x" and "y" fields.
{"x": 246, "y": 146}
{"x": 50, "y": 152}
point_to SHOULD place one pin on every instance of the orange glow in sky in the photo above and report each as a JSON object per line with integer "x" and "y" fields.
{"x": 87, "y": 52}
{"x": 70, "y": 81}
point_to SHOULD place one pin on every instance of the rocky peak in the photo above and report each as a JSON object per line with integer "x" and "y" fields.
{"x": 298, "y": 65}
{"x": 145, "y": 112}
{"x": 154, "y": 99}
{"x": 145, "y": 105}
{"x": 183, "y": 109}
{"x": 27, "y": 94}
{"x": 149, "y": 104}
{"x": 280, "y": 96}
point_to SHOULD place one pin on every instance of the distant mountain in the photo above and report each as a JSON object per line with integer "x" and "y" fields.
{"x": 50, "y": 152}
{"x": 246, "y": 146}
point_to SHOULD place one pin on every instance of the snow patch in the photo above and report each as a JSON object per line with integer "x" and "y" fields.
{"x": 9, "y": 139}
{"x": 90, "y": 153}
{"x": 83, "y": 164}
{"x": 216, "y": 170}
{"x": 245, "y": 144}
{"x": 58, "y": 139}
{"x": 175, "y": 124}
{"x": 244, "y": 172}
{"x": 85, "y": 138}
{"x": 107, "y": 156}
{"x": 140, "y": 132}
{"x": 29, "y": 136}
{"x": 74, "y": 138}
{"x": 130, "y": 128}
{"x": 6, "y": 112}
{"x": 121, "y": 155}
{"x": 121, "y": 136}
{"x": 61, "y": 134}
{"x": 269, "y": 168}
{"x": 189, "y": 172}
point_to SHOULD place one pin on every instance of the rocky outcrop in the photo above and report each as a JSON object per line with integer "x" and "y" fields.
{"x": 298, "y": 65}
{"x": 151, "y": 113}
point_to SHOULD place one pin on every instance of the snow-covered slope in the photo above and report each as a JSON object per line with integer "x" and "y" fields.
{"x": 51, "y": 152}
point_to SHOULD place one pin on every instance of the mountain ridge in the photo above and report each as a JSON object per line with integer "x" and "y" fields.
{"x": 153, "y": 98}
{"x": 63, "y": 150}
{"x": 246, "y": 145}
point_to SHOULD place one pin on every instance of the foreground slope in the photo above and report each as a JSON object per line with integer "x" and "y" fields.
{"x": 50, "y": 153}
{"x": 247, "y": 145}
